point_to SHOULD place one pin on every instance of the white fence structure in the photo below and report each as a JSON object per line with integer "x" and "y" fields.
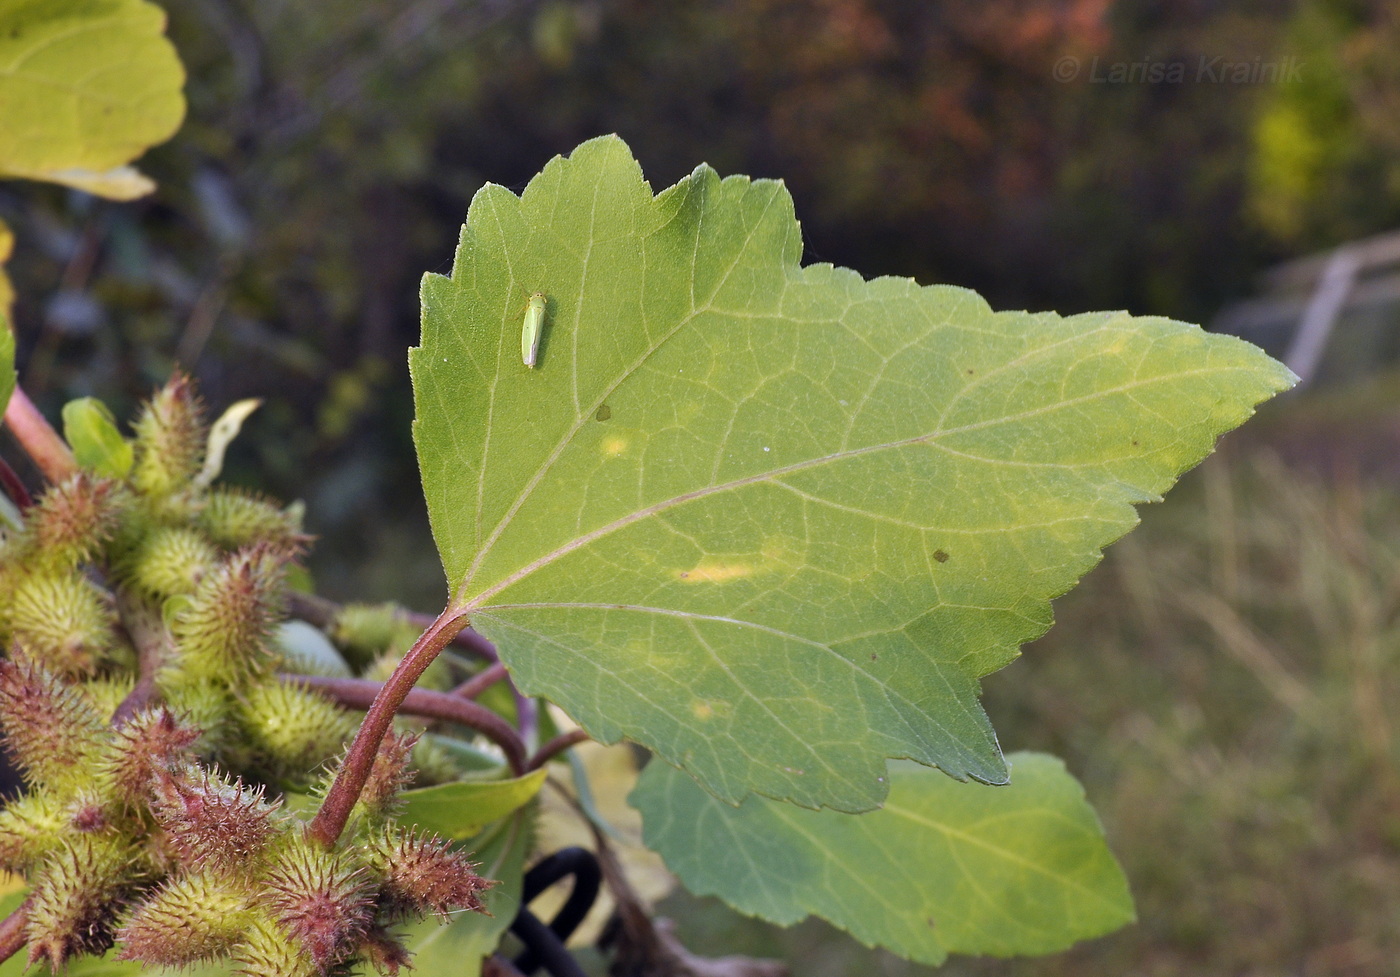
{"x": 1330, "y": 316}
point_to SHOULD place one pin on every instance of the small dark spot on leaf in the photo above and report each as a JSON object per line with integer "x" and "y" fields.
{"x": 940, "y": 556}
{"x": 930, "y": 923}
{"x": 602, "y": 413}
{"x": 1135, "y": 444}
{"x": 685, "y": 574}
{"x": 969, "y": 373}
{"x": 874, "y": 657}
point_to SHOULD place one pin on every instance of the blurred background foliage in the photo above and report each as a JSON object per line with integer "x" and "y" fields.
{"x": 1221, "y": 683}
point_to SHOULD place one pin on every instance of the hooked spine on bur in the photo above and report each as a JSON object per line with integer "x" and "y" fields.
{"x": 152, "y": 818}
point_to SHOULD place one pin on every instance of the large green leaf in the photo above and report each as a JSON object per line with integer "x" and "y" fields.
{"x": 774, "y": 522}
{"x": 86, "y": 86}
{"x": 942, "y": 868}
{"x": 462, "y": 808}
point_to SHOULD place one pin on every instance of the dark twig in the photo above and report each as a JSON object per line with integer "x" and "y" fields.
{"x": 383, "y": 702}
{"x": 14, "y": 487}
{"x": 12, "y": 930}
{"x": 39, "y": 440}
{"x": 555, "y": 747}
{"x": 642, "y": 945}
{"x": 579, "y": 863}
{"x": 498, "y": 966}
{"x": 481, "y": 681}
{"x": 545, "y": 948}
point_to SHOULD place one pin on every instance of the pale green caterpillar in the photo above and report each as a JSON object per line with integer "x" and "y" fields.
{"x": 534, "y": 326}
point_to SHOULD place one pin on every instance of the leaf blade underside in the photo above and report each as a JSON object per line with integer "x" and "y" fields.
{"x": 942, "y": 868}
{"x": 775, "y": 522}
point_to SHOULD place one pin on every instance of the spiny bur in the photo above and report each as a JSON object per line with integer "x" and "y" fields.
{"x": 170, "y": 438}
{"x": 436, "y": 676}
{"x": 290, "y": 730}
{"x": 90, "y": 810}
{"x": 213, "y": 824}
{"x": 234, "y": 518}
{"x": 153, "y": 743}
{"x": 390, "y": 774}
{"x": 320, "y": 898}
{"x": 268, "y": 950}
{"x": 51, "y": 729}
{"x": 170, "y": 560}
{"x": 188, "y": 920}
{"x": 383, "y": 951}
{"x": 31, "y": 826}
{"x": 419, "y": 874}
{"x": 75, "y": 894}
{"x": 63, "y": 620}
{"x": 203, "y": 705}
{"x": 223, "y": 630}
{"x": 365, "y": 631}
{"x": 107, "y": 692}
{"x": 73, "y": 521}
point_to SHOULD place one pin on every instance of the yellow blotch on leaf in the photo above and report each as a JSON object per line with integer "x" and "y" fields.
{"x": 717, "y": 572}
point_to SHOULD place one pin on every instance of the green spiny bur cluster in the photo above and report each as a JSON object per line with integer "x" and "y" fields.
{"x": 142, "y": 704}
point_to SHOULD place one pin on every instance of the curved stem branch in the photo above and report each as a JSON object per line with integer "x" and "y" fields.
{"x": 335, "y": 811}
{"x": 481, "y": 681}
{"x": 12, "y": 930}
{"x": 39, "y": 440}
{"x": 555, "y": 747}
{"x": 350, "y": 780}
{"x": 359, "y": 693}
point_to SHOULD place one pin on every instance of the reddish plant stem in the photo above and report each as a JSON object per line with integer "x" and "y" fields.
{"x": 555, "y": 747}
{"x": 481, "y": 681}
{"x": 361, "y": 694}
{"x": 312, "y": 609}
{"x": 345, "y": 791}
{"x": 39, "y": 440}
{"x": 142, "y": 694}
{"x": 12, "y": 930}
{"x": 147, "y": 631}
{"x": 466, "y": 639}
{"x": 527, "y": 717}
{"x": 14, "y": 487}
